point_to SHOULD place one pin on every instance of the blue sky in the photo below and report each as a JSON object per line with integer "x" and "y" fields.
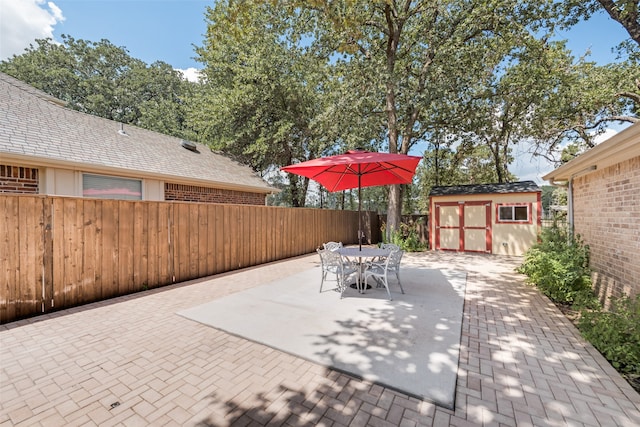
{"x": 151, "y": 30}
{"x": 167, "y": 30}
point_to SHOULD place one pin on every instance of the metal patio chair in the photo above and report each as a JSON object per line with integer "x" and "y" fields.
{"x": 380, "y": 270}
{"x": 332, "y": 245}
{"x": 335, "y": 264}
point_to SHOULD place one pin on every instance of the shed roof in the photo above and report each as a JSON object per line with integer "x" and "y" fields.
{"x": 622, "y": 146}
{"x": 511, "y": 187}
{"x": 38, "y": 129}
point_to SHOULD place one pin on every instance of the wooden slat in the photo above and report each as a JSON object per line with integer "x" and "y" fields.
{"x": 76, "y": 251}
{"x": 280, "y": 245}
{"x": 260, "y": 235}
{"x": 288, "y": 226}
{"x": 125, "y": 247}
{"x": 235, "y": 237}
{"x": 267, "y": 226}
{"x": 194, "y": 240}
{"x": 254, "y": 237}
{"x": 153, "y": 244}
{"x": 141, "y": 245}
{"x": 47, "y": 255}
{"x": 29, "y": 236}
{"x": 180, "y": 241}
{"x": 85, "y": 250}
{"x": 9, "y": 266}
{"x": 246, "y": 231}
{"x": 203, "y": 240}
{"x": 110, "y": 243}
{"x": 90, "y": 262}
{"x": 165, "y": 244}
{"x": 219, "y": 237}
{"x": 229, "y": 236}
{"x": 211, "y": 239}
{"x": 57, "y": 268}
{"x": 70, "y": 252}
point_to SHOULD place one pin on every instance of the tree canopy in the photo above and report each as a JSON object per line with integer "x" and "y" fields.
{"x": 284, "y": 81}
{"x": 104, "y": 80}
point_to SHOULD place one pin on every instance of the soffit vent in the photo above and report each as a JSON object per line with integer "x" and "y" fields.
{"x": 191, "y": 146}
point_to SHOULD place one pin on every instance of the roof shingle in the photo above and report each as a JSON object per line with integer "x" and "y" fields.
{"x": 37, "y": 125}
{"x": 511, "y": 187}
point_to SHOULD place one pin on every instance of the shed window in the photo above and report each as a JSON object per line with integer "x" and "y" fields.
{"x": 111, "y": 187}
{"x": 514, "y": 213}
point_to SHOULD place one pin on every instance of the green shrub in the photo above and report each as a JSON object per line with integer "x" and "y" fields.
{"x": 406, "y": 237}
{"x": 615, "y": 333}
{"x": 559, "y": 267}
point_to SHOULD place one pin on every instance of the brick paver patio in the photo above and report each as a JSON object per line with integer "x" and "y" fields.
{"x": 132, "y": 361}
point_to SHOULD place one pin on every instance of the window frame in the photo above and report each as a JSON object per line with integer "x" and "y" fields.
{"x": 115, "y": 179}
{"x": 513, "y": 207}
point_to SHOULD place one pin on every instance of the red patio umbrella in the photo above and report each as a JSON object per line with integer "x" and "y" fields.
{"x": 358, "y": 169}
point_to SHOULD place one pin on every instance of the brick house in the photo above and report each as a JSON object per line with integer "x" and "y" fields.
{"x": 604, "y": 209}
{"x": 501, "y": 219}
{"x": 46, "y": 148}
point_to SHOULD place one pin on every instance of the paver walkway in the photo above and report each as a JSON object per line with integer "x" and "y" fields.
{"x": 132, "y": 361}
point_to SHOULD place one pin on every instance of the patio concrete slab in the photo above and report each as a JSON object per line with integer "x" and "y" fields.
{"x": 410, "y": 344}
{"x": 133, "y": 361}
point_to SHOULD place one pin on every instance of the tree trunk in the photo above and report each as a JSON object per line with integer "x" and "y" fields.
{"x": 628, "y": 17}
{"x": 393, "y": 215}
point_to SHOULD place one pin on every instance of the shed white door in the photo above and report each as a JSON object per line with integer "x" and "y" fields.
{"x": 463, "y": 226}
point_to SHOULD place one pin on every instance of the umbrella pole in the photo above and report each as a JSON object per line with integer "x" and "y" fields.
{"x": 359, "y": 213}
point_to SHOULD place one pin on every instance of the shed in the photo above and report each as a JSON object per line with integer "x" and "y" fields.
{"x": 499, "y": 219}
{"x": 604, "y": 209}
{"x": 47, "y": 148}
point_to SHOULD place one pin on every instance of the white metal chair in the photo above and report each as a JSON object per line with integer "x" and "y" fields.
{"x": 390, "y": 246}
{"x": 380, "y": 270}
{"x": 334, "y": 263}
{"x": 332, "y": 246}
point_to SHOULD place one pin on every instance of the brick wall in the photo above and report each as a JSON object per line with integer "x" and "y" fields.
{"x": 607, "y": 216}
{"x": 18, "y": 179}
{"x": 192, "y": 193}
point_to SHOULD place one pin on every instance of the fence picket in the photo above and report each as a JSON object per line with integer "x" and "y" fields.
{"x": 71, "y": 251}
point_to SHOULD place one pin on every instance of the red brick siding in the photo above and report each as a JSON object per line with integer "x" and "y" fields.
{"x": 18, "y": 179}
{"x": 192, "y": 193}
{"x": 607, "y": 216}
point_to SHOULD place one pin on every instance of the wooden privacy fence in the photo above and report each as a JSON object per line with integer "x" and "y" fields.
{"x": 60, "y": 252}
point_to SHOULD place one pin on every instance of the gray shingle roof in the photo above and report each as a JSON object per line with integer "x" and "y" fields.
{"x": 38, "y": 126}
{"x": 511, "y": 187}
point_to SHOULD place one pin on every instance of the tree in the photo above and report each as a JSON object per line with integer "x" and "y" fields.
{"x": 444, "y": 165}
{"x": 605, "y": 94}
{"x": 414, "y": 56}
{"x": 583, "y": 106}
{"x": 501, "y": 108}
{"x": 264, "y": 91}
{"x": 104, "y": 80}
{"x": 626, "y": 12}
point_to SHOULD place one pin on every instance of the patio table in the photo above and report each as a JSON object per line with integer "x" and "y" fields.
{"x": 362, "y": 254}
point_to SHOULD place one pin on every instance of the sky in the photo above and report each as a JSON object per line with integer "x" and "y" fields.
{"x": 168, "y": 30}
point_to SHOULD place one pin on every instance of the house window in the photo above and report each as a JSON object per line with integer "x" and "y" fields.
{"x": 514, "y": 213}
{"x": 111, "y": 187}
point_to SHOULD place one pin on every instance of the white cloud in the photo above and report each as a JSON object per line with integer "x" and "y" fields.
{"x": 608, "y": 133}
{"x": 532, "y": 168}
{"x": 528, "y": 167}
{"x": 24, "y": 21}
{"x": 190, "y": 74}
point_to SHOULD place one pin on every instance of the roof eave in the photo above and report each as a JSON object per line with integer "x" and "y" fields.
{"x": 29, "y": 160}
{"x": 620, "y": 147}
